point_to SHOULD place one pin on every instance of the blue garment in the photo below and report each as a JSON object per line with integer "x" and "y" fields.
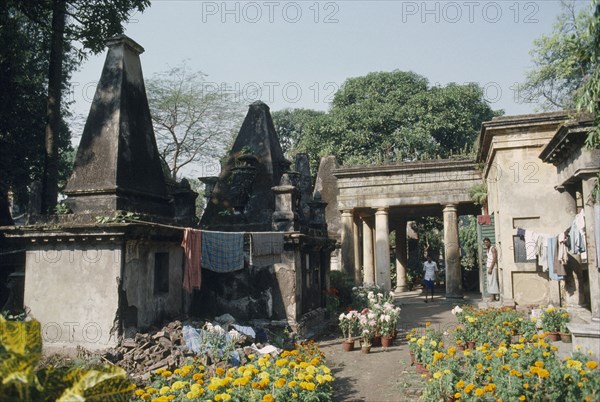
{"x": 553, "y": 258}
{"x": 222, "y": 251}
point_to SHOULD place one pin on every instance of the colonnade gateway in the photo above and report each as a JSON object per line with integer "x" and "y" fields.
{"x": 375, "y": 200}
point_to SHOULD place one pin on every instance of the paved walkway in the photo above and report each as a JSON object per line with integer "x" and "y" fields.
{"x": 385, "y": 375}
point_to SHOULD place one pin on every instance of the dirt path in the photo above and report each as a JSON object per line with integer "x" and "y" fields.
{"x": 385, "y": 375}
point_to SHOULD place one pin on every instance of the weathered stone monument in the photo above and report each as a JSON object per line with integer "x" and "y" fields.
{"x": 107, "y": 266}
{"x": 258, "y": 192}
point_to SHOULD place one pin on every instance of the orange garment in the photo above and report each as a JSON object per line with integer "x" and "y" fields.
{"x": 192, "y": 249}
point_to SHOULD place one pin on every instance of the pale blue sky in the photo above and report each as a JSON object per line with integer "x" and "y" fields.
{"x": 300, "y": 56}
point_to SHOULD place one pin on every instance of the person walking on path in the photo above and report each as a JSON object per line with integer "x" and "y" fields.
{"x": 430, "y": 268}
{"x": 491, "y": 264}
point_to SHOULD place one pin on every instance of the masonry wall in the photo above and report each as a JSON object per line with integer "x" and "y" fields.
{"x": 72, "y": 290}
{"x": 521, "y": 194}
{"x": 145, "y": 301}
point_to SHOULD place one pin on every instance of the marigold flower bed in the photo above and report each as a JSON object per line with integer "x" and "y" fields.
{"x": 527, "y": 370}
{"x": 300, "y": 374}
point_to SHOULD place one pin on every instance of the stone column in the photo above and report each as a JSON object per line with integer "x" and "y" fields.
{"x": 357, "y": 249}
{"x": 454, "y": 288}
{"x": 401, "y": 257}
{"x": 368, "y": 266}
{"x": 594, "y": 276}
{"x": 382, "y": 249}
{"x": 347, "y": 243}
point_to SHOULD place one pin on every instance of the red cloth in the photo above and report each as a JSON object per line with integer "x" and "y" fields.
{"x": 484, "y": 219}
{"x": 192, "y": 249}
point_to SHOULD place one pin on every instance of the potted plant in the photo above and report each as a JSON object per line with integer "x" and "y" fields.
{"x": 348, "y": 324}
{"x": 565, "y": 334}
{"x": 368, "y": 325}
{"x": 387, "y": 322}
{"x": 552, "y": 319}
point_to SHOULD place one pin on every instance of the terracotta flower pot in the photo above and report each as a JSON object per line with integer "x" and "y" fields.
{"x": 348, "y": 345}
{"x": 566, "y": 337}
{"x": 412, "y": 358}
{"x": 553, "y": 336}
{"x": 422, "y": 370}
{"x": 365, "y": 349}
{"x": 387, "y": 341}
{"x": 376, "y": 341}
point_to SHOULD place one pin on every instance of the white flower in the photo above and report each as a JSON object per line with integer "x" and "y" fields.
{"x": 342, "y": 316}
{"x": 457, "y": 310}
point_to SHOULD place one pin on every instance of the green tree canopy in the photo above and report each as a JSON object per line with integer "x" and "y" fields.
{"x": 390, "y": 116}
{"x": 562, "y": 60}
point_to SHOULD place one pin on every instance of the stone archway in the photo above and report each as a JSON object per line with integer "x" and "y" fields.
{"x": 384, "y": 197}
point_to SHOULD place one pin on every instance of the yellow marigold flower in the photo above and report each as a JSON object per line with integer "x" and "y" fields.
{"x": 309, "y": 377}
{"x": 251, "y": 356}
{"x": 522, "y": 398}
{"x": 159, "y": 371}
{"x": 164, "y": 390}
{"x": 447, "y": 371}
{"x": 177, "y": 371}
{"x": 281, "y": 362}
{"x": 538, "y": 364}
{"x": 284, "y": 371}
{"x": 254, "y": 385}
{"x": 479, "y": 366}
{"x": 515, "y": 354}
{"x": 268, "y": 398}
{"x": 460, "y": 384}
{"x": 469, "y": 388}
{"x": 292, "y": 384}
{"x": 580, "y": 384}
{"x": 139, "y": 392}
{"x": 427, "y": 324}
{"x": 146, "y": 397}
{"x": 437, "y": 375}
{"x": 166, "y": 374}
{"x": 212, "y": 387}
{"x": 151, "y": 390}
{"x": 479, "y": 392}
{"x": 433, "y": 343}
{"x": 294, "y": 395}
{"x": 264, "y": 375}
{"x": 309, "y": 386}
{"x": 328, "y": 378}
{"x": 280, "y": 382}
{"x": 591, "y": 365}
{"x": 264, "y": 383}
{"x": 582, "y": 372}
{"x": 457, "y": 395}
{"x": 177, "y": 385}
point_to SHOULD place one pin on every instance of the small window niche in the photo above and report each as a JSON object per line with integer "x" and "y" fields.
{"x": 161, "y": 273}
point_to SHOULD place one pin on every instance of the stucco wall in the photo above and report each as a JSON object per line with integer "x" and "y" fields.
{"x": 72, "y": 290}
{"x": 138, "y": 282}
{"x": 521, "y": 194}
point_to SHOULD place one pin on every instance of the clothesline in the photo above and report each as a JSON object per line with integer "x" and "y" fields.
{"x": 224, "y": 252}
{"x": 551, "y": 250}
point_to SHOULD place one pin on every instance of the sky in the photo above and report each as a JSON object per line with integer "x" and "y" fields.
{"x": 296, "y": 54}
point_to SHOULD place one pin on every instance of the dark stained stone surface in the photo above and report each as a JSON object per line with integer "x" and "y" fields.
{"x": 326, "y": 185}
{"x": 257, "y": 137}
{"x": 117, "y": 166}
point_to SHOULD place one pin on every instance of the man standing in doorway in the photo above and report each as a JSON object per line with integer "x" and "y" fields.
{"x": 430, "y": 268}
{"x": 491, "y": 264}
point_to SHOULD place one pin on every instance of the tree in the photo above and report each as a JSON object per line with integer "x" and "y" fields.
{"x": 290, "y": 125}
{"x": 193, "y": 121}
{"x": 561, "y": 60}
{"x": 89, "y": 22}
{"x": 589, "y": 97}
{"x": 24, "y": 64}
{"x": 395, "y": 116}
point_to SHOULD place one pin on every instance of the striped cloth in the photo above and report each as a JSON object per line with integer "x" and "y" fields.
{"x": 265, "y": 248}
{"x": 222, "y": 251}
